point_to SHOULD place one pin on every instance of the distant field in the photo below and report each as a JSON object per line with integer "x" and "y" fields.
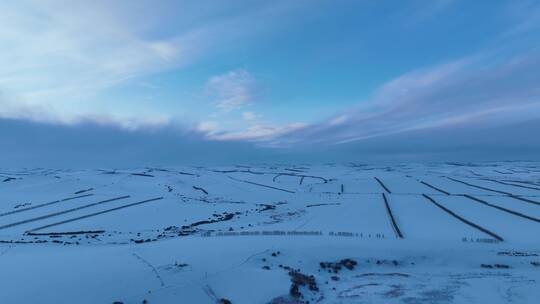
{"x": 417, "y": 233}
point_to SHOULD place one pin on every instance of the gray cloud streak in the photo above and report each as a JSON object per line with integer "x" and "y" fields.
{"x": 471, "y": 91}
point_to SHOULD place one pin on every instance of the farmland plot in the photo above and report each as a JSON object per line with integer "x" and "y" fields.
{"x": 408, "y": 233}
{"x": 406, "y": 185}
{"x": 526, "y": 190}
{"x": 516, "y": 205}
{"x": 418, "y": 219}
{"x": 509, "y": 226}
{"x": 361, "y": 185}
{"x": 453, "y": 186}
{"x": 363, "y": 215}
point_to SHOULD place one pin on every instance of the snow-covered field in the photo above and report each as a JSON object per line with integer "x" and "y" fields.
{"x": 352, "y": 233}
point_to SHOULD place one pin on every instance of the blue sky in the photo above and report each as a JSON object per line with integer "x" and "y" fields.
{"x": 273, "y": 73}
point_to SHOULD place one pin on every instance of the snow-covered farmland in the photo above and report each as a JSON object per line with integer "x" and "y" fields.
{"x": 352, "y": 233}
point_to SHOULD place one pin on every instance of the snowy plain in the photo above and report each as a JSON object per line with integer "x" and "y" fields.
{"x": 335, "y": 233}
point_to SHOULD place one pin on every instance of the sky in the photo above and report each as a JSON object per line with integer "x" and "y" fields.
{"x": 264, "y": 79}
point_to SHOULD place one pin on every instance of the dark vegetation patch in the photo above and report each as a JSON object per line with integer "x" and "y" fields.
{"x": 180, "y": 265}
{"x": 157, "y": 169}
{"x": 189, "y": 229}
{"x": 22, "y": 205}
{"x": 265, "y": 207}
{"x": 84, "y": 190}
{"x": 22, "y": 242}
{"x": 200, "y": 189}
{"x": 175, "y": 267}
{"x": 496, "y": 266}
{"x": 219, "y": 218}
{"x": 113, "y": 172}
{"x": 324, "y": 204}
{"x": 336, "y": 267}
{"x": 209, "y": 200}
{"x": 142, "y": 174}
{"x": 517, "y": 253}
{"x": 186, "y": 173}
{"x": 299, "y": 280}
{"x": 285, "y": 300}
{"x": 391, "y": 274}
{"x": 387, "y": 262}
{"x": 51, "y": 234}
{"x": 140, "y": 241}
{"x": 280, "y": 217}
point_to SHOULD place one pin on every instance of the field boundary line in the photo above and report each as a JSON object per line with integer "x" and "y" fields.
{"x": 61, "y": 212}
{"x": 479, "y": 187}
{"x": 261, "y": 185}
{"x": 383, "y": 185}
{"x": 502, "y": 208}
{"x": 44, "y": 204}
{"x": 435, "y": 188}
{"x": 392, "y": 219}
{"x": 93, "y": 214}
{"x": 464, "y": 220}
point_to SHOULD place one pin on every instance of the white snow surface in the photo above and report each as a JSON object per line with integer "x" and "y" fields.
{"x": 409, "y": 233}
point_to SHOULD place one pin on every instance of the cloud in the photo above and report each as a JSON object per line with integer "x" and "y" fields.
{"x": 511, "y": 141}
{"x": 257, "y": 132}
{"x": 232, "y": 90}
{"x": 250, "y": 116}
{"x": 61, "y": 56}
{"x": 57, "y": 56}
{"x": 252, "y": 127}
{"x": 10, "y": 109}
{"x": 82, "y": 40}
{"x": 207, "y": 127}
{"x": 525, "y": 16}
{"x": 473, "y": 91}
{"x": 93, "y": 145}
{"x": 428, "y": 10}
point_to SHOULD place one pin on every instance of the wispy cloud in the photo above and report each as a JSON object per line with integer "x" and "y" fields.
{"x": 259, "y": 132}
{"x": 232, "y": 90}
{"x": 524, "y": 16}
{"x": 56, "y": 57}
{"x": 249, "y": 126}
{"x": 472, "y": 91}
{"x": 59, "y": 56}
{"x": 428, "y": 10}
